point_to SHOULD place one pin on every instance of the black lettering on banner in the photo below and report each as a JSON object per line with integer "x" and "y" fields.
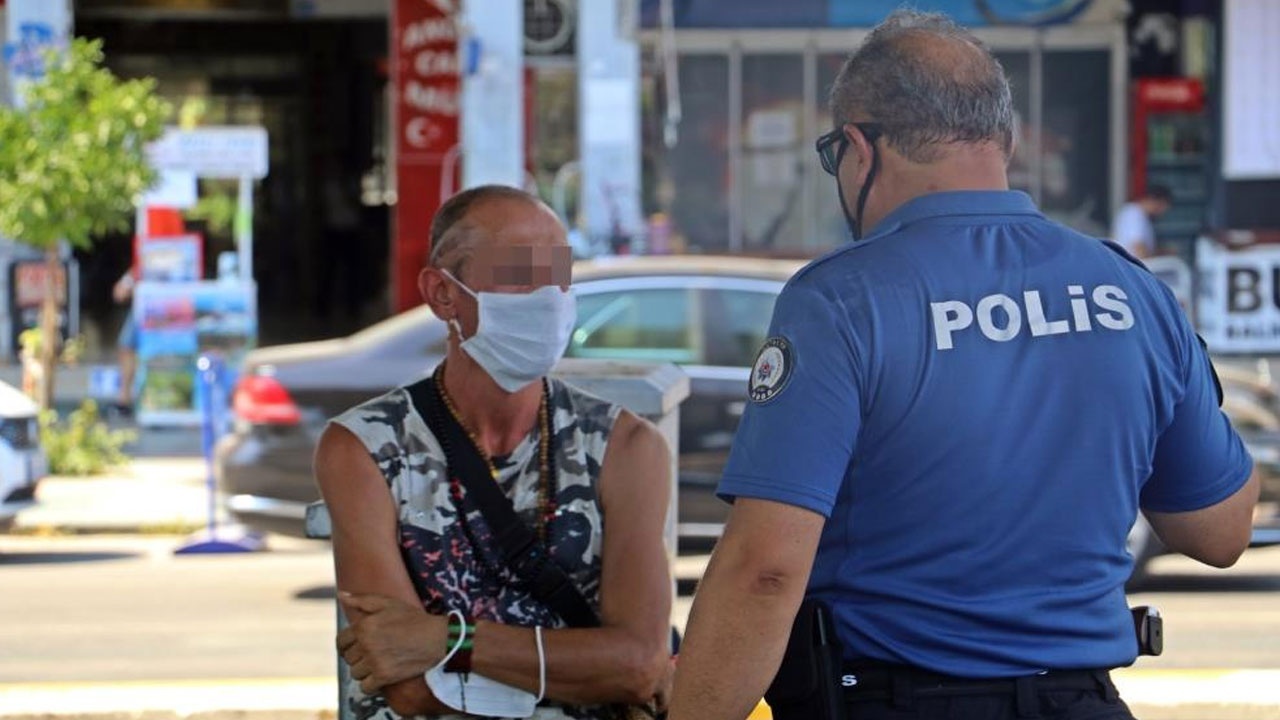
{"x": 1242, "y": 290}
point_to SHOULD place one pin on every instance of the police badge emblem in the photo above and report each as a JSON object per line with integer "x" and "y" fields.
{"x": 771, "y": 371}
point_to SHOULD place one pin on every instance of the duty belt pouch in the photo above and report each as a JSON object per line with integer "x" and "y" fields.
{"x": 807, "y": 686}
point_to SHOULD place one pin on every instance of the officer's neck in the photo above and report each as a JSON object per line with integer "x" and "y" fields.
{"x": 963, "y": 167}
{"x": 498, "y": 419}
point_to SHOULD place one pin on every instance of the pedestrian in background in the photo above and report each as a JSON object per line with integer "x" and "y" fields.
{"x": 126, "y": 343}
{"x": 1134, "y": 225}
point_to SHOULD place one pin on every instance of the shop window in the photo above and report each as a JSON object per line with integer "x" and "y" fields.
{"x": 1075, "y": 147}
{"x": 770, "y": 178}
{"x": 697, "y": 168}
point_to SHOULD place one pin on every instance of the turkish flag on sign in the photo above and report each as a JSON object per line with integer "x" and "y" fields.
{"x": 424, "y": 56}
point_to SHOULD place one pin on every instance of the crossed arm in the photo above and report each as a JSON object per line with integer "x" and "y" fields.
{"x": 392, "y": 640}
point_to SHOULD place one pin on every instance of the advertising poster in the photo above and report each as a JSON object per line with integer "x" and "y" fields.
{"x": 177, "y": 323}
{"x": 170, "y": 258}
{"x": 27, "y": 280}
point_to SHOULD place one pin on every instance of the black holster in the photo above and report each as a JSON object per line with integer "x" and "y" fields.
{"x": 807, "y": 686}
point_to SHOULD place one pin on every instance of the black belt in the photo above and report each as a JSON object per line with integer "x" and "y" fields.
{"x": 902, "y": 684}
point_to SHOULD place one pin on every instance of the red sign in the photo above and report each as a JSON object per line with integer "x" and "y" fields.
{"x": 1170, "y": 94}
{"x": 424, "y": 56}
{"x": 1154, "y": 96}
{"x": 30, "y": 280}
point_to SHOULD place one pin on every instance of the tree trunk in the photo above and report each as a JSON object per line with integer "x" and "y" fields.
{"x": 50, "y": 337}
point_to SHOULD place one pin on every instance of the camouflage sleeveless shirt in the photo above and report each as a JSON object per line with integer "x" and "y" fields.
{"x": 446, "y": 545}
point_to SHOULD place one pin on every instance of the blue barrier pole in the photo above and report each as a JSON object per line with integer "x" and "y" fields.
{"x": 212, "y": 396}
{"x": 208, "y": 372}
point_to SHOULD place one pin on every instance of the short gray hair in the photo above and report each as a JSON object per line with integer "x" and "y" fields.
{"x": 452, "y": 240}
{"x": 929, "y": 82}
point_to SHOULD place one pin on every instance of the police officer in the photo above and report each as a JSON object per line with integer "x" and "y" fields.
{"x": 954, "y": 424}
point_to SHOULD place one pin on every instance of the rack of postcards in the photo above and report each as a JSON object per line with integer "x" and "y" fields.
{"x": 181, "y": 314}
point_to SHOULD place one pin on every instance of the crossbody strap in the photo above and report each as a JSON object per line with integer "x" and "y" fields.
{"x": 521, "y": 550}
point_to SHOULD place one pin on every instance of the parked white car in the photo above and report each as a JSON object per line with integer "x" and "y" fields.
{"x": 22, "y": 461}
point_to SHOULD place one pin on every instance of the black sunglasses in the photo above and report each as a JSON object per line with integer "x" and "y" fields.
{"x": 832, "y": 145}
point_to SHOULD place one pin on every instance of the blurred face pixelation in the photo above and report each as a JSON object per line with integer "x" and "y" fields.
{"x": 520, "y": 268}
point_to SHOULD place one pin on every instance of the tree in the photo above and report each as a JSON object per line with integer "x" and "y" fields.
{"x": 72, "y": 166}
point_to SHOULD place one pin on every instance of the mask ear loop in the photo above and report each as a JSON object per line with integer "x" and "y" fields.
{"x": 453, "y": 322}
{"x": 542, "y": 665}
{"x": 459, "y": 283}
{"x": 462, "y": 636}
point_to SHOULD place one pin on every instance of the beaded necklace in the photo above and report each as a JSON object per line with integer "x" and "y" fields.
{"x": 546, "y": 453}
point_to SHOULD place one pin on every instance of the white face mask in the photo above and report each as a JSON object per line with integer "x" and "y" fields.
{"x": 521, "y": 336}
{"x": 476, "y": 694}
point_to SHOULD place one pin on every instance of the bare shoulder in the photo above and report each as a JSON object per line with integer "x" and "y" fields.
{"x": 636, "y": 471}
{"x": 336, "y": 443}
{"x": 340, "y": 457}
{"x": 634, "y": 438}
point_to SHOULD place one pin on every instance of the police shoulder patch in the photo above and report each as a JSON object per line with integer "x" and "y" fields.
{"x": 771, "y": 371}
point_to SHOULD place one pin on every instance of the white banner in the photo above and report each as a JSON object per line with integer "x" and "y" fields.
{"x": 213, "y": 151}
{"x": 1238, "y": 302}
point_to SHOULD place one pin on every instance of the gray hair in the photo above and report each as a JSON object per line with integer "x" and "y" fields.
{"x": 929, "y": 82}
{"x": 452, "y": 240}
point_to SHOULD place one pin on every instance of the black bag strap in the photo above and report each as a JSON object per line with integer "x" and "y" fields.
{"x": 521, "y": 550}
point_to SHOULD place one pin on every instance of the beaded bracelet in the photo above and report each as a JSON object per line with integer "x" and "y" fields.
{"x": 459, "y": 642}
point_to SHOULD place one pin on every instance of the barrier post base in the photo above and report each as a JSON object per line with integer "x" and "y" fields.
{"x": 234, "y": 539}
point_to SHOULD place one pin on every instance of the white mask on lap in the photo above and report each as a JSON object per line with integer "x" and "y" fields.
{"x": 475, "y": 694}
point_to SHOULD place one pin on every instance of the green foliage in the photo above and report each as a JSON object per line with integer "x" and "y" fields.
{"x": 73, "y": 350}
{"x": 168, "y": 388}
{"x": 83, "y": 445}
{"x": 73, "y": 161}
{"x": 217, "y": 208}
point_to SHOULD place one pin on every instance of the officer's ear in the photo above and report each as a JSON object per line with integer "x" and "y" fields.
{"x": 859, "y": 155}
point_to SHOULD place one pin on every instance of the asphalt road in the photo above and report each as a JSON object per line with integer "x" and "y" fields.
{"x": 107, "y": 611}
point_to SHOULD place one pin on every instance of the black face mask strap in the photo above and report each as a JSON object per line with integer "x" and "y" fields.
{"x": 855, "y": 221}
{"x": 866, "y": 188}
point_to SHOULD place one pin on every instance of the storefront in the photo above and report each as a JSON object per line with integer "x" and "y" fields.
{"x": 314, "y": 76}
{"x": 743, "y": 177}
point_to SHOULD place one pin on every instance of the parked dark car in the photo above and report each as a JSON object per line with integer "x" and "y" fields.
{"x": 707, "y": 314}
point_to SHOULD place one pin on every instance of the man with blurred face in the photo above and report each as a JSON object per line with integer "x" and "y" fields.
{"x": 443, "y": 623}
{"x": 951, "y": 429}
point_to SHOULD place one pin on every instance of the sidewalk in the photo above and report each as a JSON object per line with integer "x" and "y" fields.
{"x": 162, "y": 489}
{"x": 162, "y": 494}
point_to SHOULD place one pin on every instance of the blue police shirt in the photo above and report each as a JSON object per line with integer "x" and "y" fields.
{"x": 979, "y": 400}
